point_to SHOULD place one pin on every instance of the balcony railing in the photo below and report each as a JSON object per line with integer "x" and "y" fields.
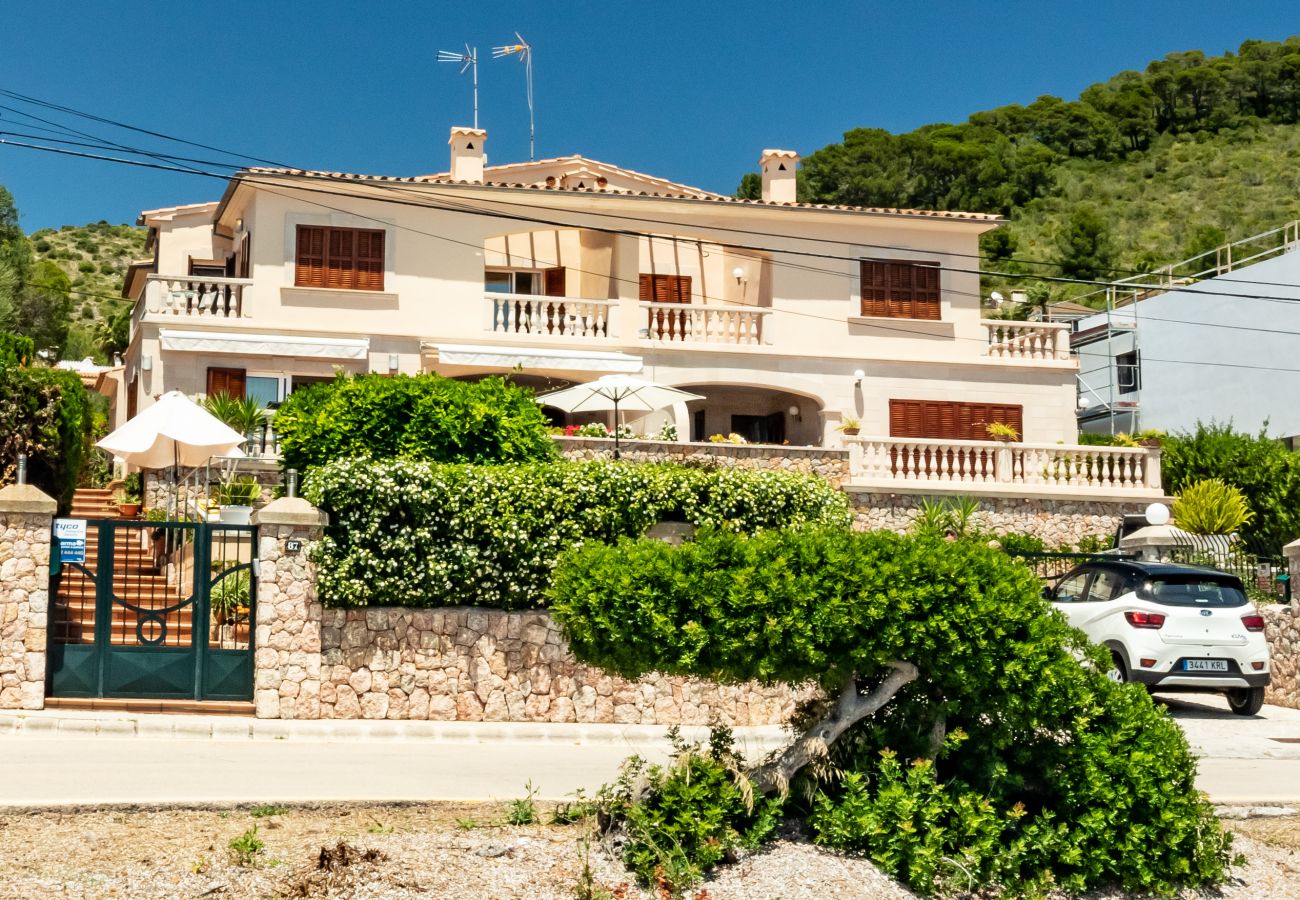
{"x": 219, "y": 298}
{"x": 704, "y": 324}
{"x": 560, "y": 316}
{"x": 1009, "y": 339}
{"x": 996, "y": 467}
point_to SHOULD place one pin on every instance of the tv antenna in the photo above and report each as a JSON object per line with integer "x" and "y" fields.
{"x": 468, "y": 62}
{"x": 524, "y": 51}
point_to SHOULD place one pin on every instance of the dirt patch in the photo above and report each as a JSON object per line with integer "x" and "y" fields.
{"x": 1280, "y": 831}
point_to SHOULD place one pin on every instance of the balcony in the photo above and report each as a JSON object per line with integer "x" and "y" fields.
{"x": 993, "y": 467}
{"x": 560, "y": 317}
{"x": 1009, "y": 339}
{"x": 680, "y": 323}
{"x": 172, "y": 296}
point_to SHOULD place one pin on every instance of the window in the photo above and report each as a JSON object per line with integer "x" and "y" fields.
{"x": 225, "y": 381}
{"x": 265, "y": 389}
{"x": 900, "y": 290}
{"x": 952, "y": 421}
{"x": 665, "y": 288}
{"x": 547, "y": 282}
{"x": 341, "y": 258}
{"x": 1106, "y": 586}
{"x": 1070, "y": 590}
{"x": 768, "y": 429}
{"x": 1128, "y": 372}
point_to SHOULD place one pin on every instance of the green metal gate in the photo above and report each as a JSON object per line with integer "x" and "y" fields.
{"x": 159, "y": 610}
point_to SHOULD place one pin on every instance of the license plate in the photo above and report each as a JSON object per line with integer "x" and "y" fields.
{"x": 1205, "y": 665}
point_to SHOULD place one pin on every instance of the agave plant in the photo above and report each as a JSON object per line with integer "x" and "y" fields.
{"x": 244, "y": 414}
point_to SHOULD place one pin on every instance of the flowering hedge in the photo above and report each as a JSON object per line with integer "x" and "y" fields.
{"x": 412, "y": 533}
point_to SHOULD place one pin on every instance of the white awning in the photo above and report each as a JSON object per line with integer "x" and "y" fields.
{"x": 264, "y": 344}
{"x": 535, "y": 358}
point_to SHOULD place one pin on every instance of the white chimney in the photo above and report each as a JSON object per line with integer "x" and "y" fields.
{"x": 467, "y": 157}
{"x": 778, "y": 168}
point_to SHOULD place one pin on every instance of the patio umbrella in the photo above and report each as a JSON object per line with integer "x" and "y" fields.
{"x": 616, "y": 392}
{"x": 175, "y": 431}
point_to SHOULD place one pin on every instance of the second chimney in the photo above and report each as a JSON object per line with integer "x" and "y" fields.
{"x": 778, "y": 167}
{"x": 467, "y": 157}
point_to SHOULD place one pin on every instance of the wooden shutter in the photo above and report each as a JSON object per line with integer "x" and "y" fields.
{"x": 245, "y": 248}
{"x": 309, "y": 269}
{"x": 225, "y": 381}
{"x": 665, "y": 288}
{"x": 369, "y": 261}
{"x": 946, "y": 420}
{"x": 554, "y": 282}
{"x": 900, "y": 290}
{"x": 340, "y": 257}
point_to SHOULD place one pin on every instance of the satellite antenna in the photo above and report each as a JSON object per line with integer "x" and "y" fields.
{"x": 468, "y": 61}
{"x": 524, "y": 51}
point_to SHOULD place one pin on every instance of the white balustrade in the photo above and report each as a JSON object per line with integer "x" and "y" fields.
{"x": 1009, "y": 339}
{"x": 1048, "y": 468}
{"x": 170, "y": 295}
{"x": 560, "y": 316}
{"x": 704, "y": 324}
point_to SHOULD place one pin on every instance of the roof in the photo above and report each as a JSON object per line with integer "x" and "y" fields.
{"x": 516, "y": 173}
{"x": 167, "y": 212}
{"x": 680, "y": 192}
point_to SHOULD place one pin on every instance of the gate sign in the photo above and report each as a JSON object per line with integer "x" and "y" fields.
{"x": 71, "y": 535}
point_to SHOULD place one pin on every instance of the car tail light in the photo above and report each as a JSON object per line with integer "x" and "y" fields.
{"x": 1147, "y": 663}
{"x": 1145, "y": 619}
{"x": 1253, "y": 623}
{"x": 1257, "y": 666}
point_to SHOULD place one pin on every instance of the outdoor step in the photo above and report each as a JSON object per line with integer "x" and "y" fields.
{"x": 183, "y": 707}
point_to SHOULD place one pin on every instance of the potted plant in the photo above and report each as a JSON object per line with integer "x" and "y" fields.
{"x": 236, "y": 496}
{"x": 127, "y": 497}
{"x": 1150, "y": 437}
{"x": 1001, "y": 431}
{"x": 244, "y": 414}
{"x": 850, "y": 425}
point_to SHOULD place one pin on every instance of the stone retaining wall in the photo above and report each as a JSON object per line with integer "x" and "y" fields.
{"x": 1282, "y": 627}
{"x": 1056, "y": 522}
{"x": 470, "y": 664}
{"x": 829, "y": 463}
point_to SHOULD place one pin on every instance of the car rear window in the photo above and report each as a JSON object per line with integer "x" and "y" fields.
{"x": 1193, "y": 591}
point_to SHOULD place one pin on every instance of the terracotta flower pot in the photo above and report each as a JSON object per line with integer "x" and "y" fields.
{"x": 851, "y": 431}
{"x": 128, "y": 510}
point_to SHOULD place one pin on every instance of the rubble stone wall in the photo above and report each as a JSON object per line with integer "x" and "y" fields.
{"x": 1282, "y": 627}
{"x": 24, "y": 608}
{"x": 829, "y": 463}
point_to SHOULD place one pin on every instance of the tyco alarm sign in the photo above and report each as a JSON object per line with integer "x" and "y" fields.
{"x": 71, "y": 535}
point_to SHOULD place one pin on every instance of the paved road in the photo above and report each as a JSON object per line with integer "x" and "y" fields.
{"x": 57, "y": 759}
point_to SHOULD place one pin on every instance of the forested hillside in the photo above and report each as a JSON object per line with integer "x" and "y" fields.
{"x": 1146, "y": 168}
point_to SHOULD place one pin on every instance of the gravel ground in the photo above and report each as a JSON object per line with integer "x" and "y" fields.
{"x": 393, "y": 851}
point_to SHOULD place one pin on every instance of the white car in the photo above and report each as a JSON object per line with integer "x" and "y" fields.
{"x": 1170, "y": 627}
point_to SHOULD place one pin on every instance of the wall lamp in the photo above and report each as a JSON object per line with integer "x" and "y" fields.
{"x": 738, "y": 273}
{"x": 858, "y": 375}
{"x": 392, "y": 362}
{"x": 146, "y": 362}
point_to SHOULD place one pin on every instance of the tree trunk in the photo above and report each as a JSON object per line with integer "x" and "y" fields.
{"x": 850, "y": 708}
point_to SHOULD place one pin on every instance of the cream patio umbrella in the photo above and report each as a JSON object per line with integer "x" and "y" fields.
{"x": 175, "y": 431}
{"x": 616, "y": 392}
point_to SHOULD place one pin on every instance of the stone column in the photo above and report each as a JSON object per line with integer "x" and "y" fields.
{"x": 25, "y": 517}
{"x": 1291, "y": 552}
{"x": 287, "y": 657}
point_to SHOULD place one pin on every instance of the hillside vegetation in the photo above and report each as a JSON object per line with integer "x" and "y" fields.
{"x": 94, "y": 257}
{"x": 1144, "y": 169}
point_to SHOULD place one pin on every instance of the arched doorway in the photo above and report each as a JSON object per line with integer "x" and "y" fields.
{"x": 758, "y": 415}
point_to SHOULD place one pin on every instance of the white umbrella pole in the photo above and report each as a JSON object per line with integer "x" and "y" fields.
{"x": 617, "y": 455}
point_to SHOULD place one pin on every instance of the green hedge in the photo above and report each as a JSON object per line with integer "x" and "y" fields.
{"x": 415, "y": 417}
{"x": 46, "y": 414}
{"x": 15, "y": 349}
{"x": 1049, "y": 775}
{"x": 409, "y": 533}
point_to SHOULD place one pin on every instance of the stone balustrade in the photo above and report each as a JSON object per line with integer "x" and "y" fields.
{"x": 173, "y": 295}
{"x": 995, "y": 467}
{"x": 700, "y": 323}
{"x": 568, "y": 317}
{"x": 1009, "y": 339}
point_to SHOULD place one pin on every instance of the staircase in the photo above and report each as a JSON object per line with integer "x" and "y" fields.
{"x": 139, "y": 578}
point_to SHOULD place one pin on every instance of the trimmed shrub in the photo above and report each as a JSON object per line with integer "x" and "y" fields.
{"x": 409, "y": 533}
{"x": 415, "y": 417}
{"x": 1211, "y": 507}
{"x": 1051, "y": 774}
{"x": 45, "y": 414}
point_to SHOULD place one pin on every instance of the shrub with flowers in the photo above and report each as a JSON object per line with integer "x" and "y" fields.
{"x": 413, "y": 533}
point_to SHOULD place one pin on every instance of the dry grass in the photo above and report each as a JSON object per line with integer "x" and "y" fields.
{"x": 1282, "y": 832}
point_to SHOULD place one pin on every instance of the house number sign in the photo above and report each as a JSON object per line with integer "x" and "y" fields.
{"x": 293, "y": 546}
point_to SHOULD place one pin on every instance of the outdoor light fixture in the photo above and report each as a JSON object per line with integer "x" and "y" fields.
{"x": 858, "y": 375}
{"x": 1157, "y": 514}
{"x": 392, "y": 362}
{"x": 239, "y": 224}
{"x": 794, "y": 411}
{"x": 739, "y": 273}
{"x": 146, "y": 362}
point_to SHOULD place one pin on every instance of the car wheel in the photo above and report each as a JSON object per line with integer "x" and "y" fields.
{"x": 1246, "y": 701}
{"x": 1117, "y": 671}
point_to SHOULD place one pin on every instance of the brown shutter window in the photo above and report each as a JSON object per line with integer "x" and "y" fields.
{"x": 554, "y": 282}
{"x": 951, "y": 421}
{"x": 899, "y": 290}
{"x": 340, "y": 258}
{"x": 225, "y": 381}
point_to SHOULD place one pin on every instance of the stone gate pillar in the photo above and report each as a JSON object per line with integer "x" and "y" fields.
{"x": 287, "y": 656}
{"x": 25, "y": 518}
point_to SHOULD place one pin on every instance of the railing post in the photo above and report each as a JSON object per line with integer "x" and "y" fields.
{"x": 1003, "y": 467}
{"x": 1151, "y": 470}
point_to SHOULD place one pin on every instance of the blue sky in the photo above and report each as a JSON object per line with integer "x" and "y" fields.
{"x": 690, "y": 91}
